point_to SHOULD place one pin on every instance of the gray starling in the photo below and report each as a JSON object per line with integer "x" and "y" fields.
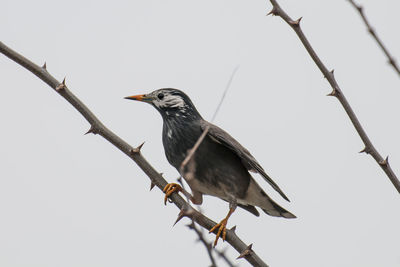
{"x": 219, "y": 167}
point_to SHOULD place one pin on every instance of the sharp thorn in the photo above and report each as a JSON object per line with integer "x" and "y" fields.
{"x": 61, "y": 86}
{"x": 233, "y": 229}
{"x": 181, "y": 214}
{"x": 137, "y": 149}
{"x": 152, "y": 185}
{"x": 91, "y": 130}
{"x": 295, "y": 22}
{"x": 140, "y": 146}
{"x": 273, "y": 12}
{"x": 365, "y": 150}
{"x": 333, "y": 93}
{"x": 384, "y": 162}
{"x": 44, "y": 66}
{"x": 246, "y": 252}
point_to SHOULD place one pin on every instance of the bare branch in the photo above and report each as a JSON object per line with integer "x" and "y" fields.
{"x": 202, "y": 239}
{"x": 208, "y": 245}
{"x": 100, "y": 129}
{"x": 337, "y": 92}
{"x": 391, "y": 60}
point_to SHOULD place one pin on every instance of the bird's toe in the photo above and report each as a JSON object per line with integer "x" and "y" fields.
{"x": 169, "y": 189}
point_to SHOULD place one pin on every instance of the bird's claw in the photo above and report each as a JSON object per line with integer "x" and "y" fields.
{"x": 169, "y": 189}
{"x": 221, "y": 230}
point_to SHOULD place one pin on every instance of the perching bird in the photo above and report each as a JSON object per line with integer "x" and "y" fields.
{"x": 219, "y": 167}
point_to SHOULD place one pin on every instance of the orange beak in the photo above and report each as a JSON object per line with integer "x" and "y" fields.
{"x": 142, "y": 98}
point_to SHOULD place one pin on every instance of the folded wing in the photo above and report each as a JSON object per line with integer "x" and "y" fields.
{"x": 251, "y": 164}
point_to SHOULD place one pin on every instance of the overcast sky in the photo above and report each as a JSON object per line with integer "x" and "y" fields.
{"x": 67, "y": 199}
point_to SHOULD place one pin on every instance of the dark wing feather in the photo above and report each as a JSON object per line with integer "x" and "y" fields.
{"x": 222, "y": 137}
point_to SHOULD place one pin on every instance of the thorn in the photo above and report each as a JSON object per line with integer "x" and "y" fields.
{"x": 333, "y": 93}
{"x": 136, "y": 150}
{"x": 359, "y": 8}
{"x": 296, "y": 23}
{"x": 44, "y": 66}
{"x": 384, "y": 162}
{"x": 246, "y": 252}
{"x": 181, "y": 214}
{"x": 273, "y": 12}
{"x": 140, "y": 146}
{"x": 365, "y": 150}
{"x": 91, "y": 130}
{"x": 233, "y": 229}
{"x": 61, "y": 86}
{"x": 152, "y": 185}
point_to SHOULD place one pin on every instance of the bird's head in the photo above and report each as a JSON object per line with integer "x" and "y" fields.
{"x": 171, "y": 103}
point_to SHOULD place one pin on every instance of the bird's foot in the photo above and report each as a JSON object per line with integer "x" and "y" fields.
{"x": 221, "y": 230}
{"x": 169, "y": 189}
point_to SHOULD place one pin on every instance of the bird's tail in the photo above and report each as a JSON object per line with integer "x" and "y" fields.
{"x": 257, "y": 197}
{"x": 278, "y": 211}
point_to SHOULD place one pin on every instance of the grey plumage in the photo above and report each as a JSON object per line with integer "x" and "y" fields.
{"x": 220, "y": 167}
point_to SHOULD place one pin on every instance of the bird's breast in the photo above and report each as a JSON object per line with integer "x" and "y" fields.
{"x": 178, "y": 139}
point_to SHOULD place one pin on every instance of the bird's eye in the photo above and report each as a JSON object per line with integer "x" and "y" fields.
{"x": 160, "y": 96}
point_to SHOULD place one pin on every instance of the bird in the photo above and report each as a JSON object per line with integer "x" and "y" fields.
{"x": 220, "y": 166}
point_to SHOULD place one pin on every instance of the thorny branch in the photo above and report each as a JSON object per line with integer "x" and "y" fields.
{"x": 371, "y": 30}
{"x": 97, "y": 127}
{"x": 337, "y": 92}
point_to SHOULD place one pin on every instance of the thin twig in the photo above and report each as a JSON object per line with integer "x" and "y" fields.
{"x": 97, "y": 127}
{"x": 202, "y": 239}
{"x": 203, "y": 135}
{"x": 208, "y": 245}
{"x": 371, "y": 30}
{"x": 337, "y": 92}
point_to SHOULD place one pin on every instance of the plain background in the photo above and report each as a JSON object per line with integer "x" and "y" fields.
{"x": 72, "y": 200}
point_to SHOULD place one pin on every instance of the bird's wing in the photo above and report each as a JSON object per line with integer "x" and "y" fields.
{"x": 222, "y": 137}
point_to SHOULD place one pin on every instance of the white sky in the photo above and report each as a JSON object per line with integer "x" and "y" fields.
{"x": 72, "y": 200}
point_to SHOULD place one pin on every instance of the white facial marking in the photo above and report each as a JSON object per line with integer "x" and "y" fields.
{"x": 172, "y": 101}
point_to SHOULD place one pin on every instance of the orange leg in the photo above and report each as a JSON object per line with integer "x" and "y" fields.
{"x": 222, "y": 227}
{"x": 169, "y": 189}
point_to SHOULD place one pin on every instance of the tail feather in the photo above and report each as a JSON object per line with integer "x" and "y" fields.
{"x": 278, "y": 211}
{"x": 257, "y": 197}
